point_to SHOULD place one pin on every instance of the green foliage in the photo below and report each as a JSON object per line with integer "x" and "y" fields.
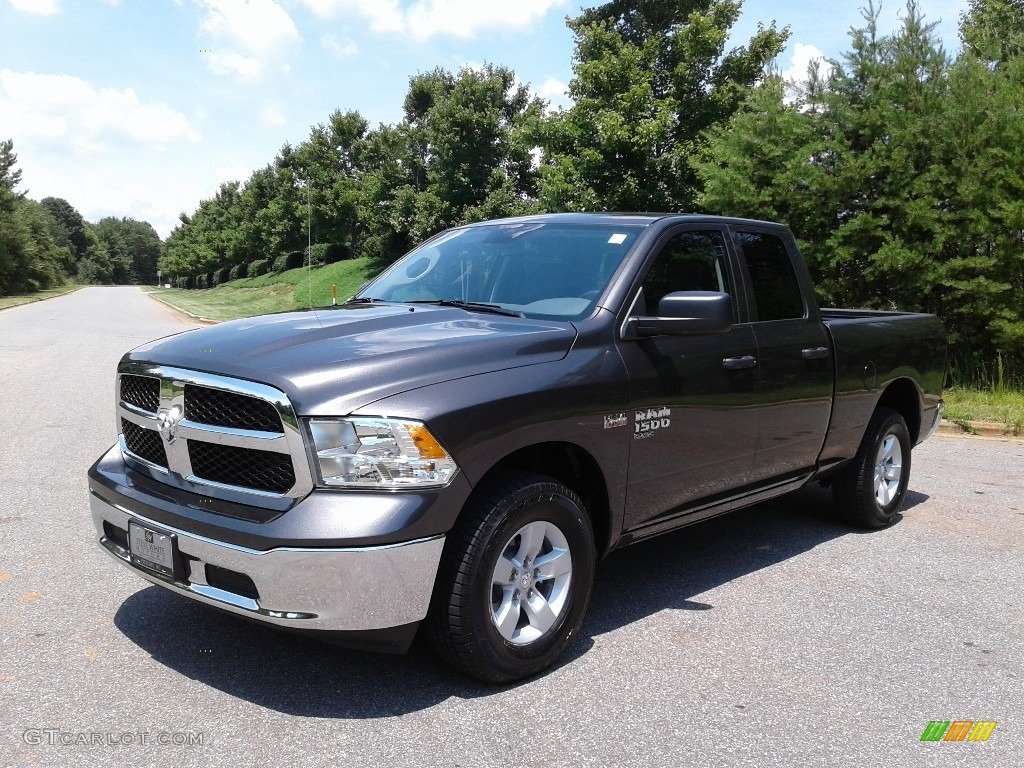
{"x": 291, "y": 260}
{"x": 650, "y": 78}
{"x": 993, "y": 30}
{"x": 68, "y": 228}
{"x": 30, "y": 258}
{"x": 259, "y": 267}
{"x": 902, "y": 176}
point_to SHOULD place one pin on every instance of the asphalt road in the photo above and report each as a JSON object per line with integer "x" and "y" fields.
{"x": 775, "y": 636}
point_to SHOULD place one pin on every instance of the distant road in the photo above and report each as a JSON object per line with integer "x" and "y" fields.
{"x": 774, "y": 636}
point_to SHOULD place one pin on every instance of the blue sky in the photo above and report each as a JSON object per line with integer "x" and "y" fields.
{"x": 142, "y": 107}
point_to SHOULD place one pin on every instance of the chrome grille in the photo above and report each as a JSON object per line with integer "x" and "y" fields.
{"x": 223, "y": 437}
{"x": 144, "y": 443}
{"x": 141, "y": 391}
{"x": 262, "y": 470}
{"x": 228, "y": 409}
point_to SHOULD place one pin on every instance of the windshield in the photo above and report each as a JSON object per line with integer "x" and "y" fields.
{"x": 541, "y": 269}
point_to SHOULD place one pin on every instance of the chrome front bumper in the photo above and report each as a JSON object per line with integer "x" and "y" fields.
{"x": 357, "y": 589}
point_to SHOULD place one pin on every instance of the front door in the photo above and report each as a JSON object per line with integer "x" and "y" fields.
{"x": 694, "y": 427}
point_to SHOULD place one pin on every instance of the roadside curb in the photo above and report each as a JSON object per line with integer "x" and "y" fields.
{"x": 990, "y": 429}
{"x": 178, "y": 310}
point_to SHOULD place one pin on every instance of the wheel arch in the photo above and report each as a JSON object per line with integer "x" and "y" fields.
{"x": 572, "y": 465}
{"x": 904, "y": 397}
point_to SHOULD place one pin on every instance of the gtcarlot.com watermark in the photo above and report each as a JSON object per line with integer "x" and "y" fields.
{"x": 57, "y": 737}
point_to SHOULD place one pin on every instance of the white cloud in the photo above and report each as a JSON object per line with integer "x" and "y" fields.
{"x": 425, "y": 19}
{"x": 246, "y": 37}
{"x": 272, "y": 115}
{"x": 339, "y": 49}
{"x": 105, "y": 150}
{"x": 39, "y": 7}
{"x": 66, "y": 108}
{"x": 555, "y": 92}
{"x": 801, "y": 59}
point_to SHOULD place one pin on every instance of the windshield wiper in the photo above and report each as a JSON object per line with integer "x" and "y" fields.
{"x": 364, "y": 300}
{"x": 473, "y": 306}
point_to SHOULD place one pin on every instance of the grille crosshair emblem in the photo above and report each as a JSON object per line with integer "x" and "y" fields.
{"x": 168, "y": 423}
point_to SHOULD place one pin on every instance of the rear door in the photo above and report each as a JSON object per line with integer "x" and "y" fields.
{"x": 795, "y": 371}
{"x": 694, "y": 430}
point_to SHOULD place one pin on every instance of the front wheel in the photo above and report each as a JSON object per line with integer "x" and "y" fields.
{"x": 870, "y": 490}
{"x": 515, "y": 579}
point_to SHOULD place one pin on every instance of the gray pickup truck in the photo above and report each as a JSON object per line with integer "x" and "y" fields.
{"x": 458, "y": 443}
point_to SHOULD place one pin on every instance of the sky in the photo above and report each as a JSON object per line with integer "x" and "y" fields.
{"x": 142, "y": 108}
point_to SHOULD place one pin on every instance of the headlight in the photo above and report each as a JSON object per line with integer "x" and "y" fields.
{"x": 379, "y": 453}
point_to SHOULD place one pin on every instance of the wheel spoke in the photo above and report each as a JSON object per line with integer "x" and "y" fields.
{"x": 539, "y": 613}
{"x": 505, "y": 571}
{"x": 557, "y": 562}
{"x": 532, "y": 539}
{"x": 506, "y": 617}
{"x": 887, "y": 448}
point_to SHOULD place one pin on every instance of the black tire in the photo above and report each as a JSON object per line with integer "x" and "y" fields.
{"x": 469, "y": 603}
{"x": 870, "y": 490}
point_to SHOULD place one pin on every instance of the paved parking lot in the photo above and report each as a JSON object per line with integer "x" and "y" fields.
{"x": 772, "y": 636}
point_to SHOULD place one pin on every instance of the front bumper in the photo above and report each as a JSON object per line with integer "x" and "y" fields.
{"x": 326, "y": 590}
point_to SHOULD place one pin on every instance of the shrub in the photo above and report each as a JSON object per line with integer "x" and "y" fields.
{"x": 238, "y": 272}
{"x": 259, "y": 267}
{"x": 291, "y": 260}
{"x": 329, "y": 253}
{"x": 221, "y": 275}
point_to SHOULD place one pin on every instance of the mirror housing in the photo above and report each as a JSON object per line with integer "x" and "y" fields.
{"x": 685, "y": 313}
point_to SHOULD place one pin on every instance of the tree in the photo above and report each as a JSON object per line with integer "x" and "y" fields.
{"x": 96, "y": 266}
{"x": 650, "y": 78}
{"x": 902, "y": 177}
{"x": 132, "y": 246}
{"x": 462, "y": 153}
{"x": 993, "y": 30}
{"x": 9, "y": 177}
{"x": 69, "y": 227}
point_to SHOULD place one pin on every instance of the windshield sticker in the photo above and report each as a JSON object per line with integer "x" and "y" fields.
{"x": 615, "y": 420}
{"x": 617, "y": 239}
{"x": 647, "y": 423}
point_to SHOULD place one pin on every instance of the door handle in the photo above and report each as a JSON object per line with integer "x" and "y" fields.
{"x": 816, "y": 353}
{"x": 739, "y": 363}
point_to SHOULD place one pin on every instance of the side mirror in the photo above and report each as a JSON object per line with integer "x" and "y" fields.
{"x": 686, "y": 313}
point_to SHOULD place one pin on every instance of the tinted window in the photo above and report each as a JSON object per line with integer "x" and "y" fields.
{"x": 772, "y": 277}
{"x": 690, "y": 261}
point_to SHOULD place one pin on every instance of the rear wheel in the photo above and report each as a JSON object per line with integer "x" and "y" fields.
{"x": 515, "y": 579}
{"x": 871, "y": 489}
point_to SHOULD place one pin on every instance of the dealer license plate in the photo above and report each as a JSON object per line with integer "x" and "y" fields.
{"x": 151, "y": 549}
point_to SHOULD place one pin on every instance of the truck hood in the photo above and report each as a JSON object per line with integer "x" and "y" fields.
{"x": 333, "y": 362}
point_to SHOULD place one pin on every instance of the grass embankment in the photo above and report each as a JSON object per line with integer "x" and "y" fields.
{"x": 27, "y": 298}
{"x": 270, "y": 293}
{"x": 1002, "y": 406}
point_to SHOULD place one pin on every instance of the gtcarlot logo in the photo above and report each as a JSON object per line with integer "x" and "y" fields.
{"x": 958, "y": 730}
{"x": 55, "y": 737}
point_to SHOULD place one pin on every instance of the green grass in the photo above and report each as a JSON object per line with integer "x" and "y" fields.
{"x": 1003, "y": 406}
{"x": 27, "y": 298}
{"x": 270, "y": 293}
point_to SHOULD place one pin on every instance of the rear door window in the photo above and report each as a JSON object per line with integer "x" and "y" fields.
{"x": 772, "y": 277}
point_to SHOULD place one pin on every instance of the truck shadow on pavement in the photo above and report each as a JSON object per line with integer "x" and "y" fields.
{"x": 299, "y": 676}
